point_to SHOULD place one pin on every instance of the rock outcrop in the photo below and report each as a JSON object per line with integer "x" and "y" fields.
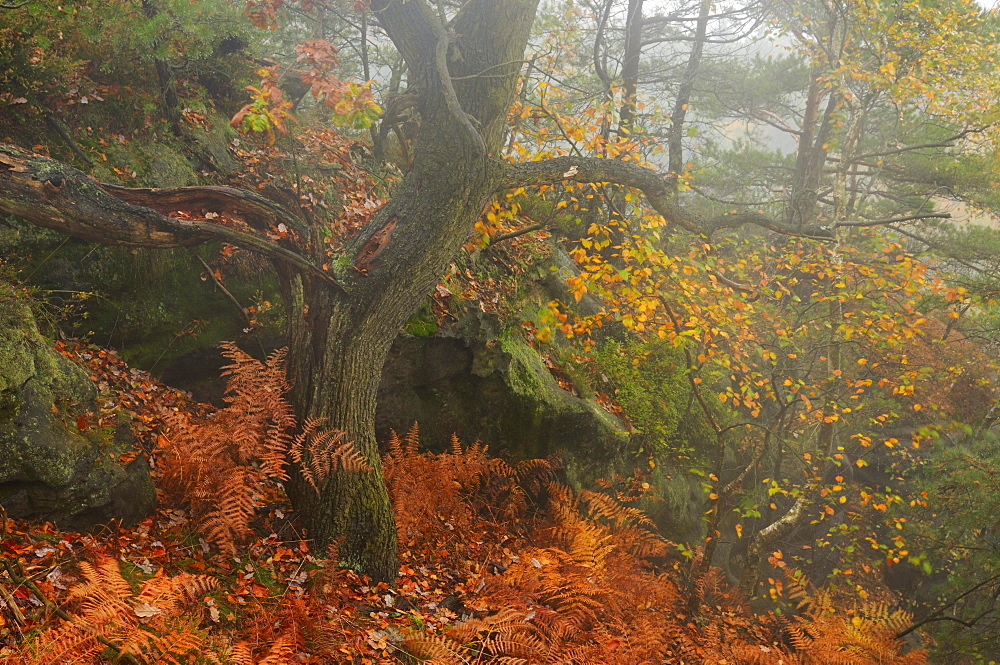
{"x": 50, "y": 468}
{"x": 486, "y": 383}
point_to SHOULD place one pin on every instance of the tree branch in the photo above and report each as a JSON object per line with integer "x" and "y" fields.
{"x": 895, "y": 220}
{"x": 403, "y": 22}
{"x": 938, "y": 614}
{"x": 437, "y": 24}
{"x": 769, "y": 536}
{"x": 600, "y": 46}
{"x": 63, "y": 133}
{"x": 514, "y": 234}
{"x": 59, "y": 197}
{"x": 944, "y": 143}
{"x": 655, "y": 187}
{"x": 222, "y": 287}
{"x": 257, "y": 211}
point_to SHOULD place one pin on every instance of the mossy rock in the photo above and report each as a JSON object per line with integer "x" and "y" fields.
{"x": 487, "y": 384}
{"x": 49, "y": 469}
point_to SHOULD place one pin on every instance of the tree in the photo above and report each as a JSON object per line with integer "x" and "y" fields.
{"x": 773, "y": 331}
{"x": 463, "y": 69}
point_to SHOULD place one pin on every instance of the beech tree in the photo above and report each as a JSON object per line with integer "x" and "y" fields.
{"x": 861, "y": 114}
{"x": 463, "y": 66}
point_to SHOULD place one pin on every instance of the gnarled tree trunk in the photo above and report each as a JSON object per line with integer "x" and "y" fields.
{"x": 338, "y": 345}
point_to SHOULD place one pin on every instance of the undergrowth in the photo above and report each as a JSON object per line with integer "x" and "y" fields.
{"x": 500, "y": 564}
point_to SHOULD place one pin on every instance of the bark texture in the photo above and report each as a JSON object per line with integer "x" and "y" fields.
{"x": 338, "y": 346}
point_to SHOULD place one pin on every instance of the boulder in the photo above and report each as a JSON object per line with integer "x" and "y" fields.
{"x": 484, "y": 383}
{"x": 49, "y": 468}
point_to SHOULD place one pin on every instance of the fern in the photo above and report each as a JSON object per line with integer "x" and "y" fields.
{"x": 586, "y": 597}
{"x": 438, "y": 498}
{"x": 318, "y": 453}
{"x": 588, "y": 593}
{"x": 586, "y": 578}
{"x": 151, "y": 626}
{"x": 217, "y": 466}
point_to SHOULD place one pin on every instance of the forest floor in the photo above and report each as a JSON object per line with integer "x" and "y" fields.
{"x": 499, "y": 564}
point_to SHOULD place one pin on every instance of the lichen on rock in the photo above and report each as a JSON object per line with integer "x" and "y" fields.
{"x": 49, "y": 469}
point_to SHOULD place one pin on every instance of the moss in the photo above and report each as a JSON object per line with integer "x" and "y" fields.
{"x": 152, "y": 306}
{"x": 38, "y": 450}
{"x": 423, "y": 323}
{"x": 650, "y": 383}
{"x": 157, "y": 161}
{"x": 526, "y": 373}
{"x": 214, "y": 144}
{"x": 16, "y": 360}
{"x": 593, "y": 442}
{"x": 9, "y": 405}
{"x": 48, "y": 468}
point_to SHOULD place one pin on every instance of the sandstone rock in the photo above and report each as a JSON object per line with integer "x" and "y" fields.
{"x": 49, "y": 469}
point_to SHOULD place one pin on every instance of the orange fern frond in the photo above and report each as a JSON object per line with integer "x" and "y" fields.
{"x": 318, "y": 453}
{"x": 281, "y": 651}
{"x": 218, "y": 466}
{"x": 240, "y": 654}
{"x": 434, "y": 649}
{"x": 151, "y": 625}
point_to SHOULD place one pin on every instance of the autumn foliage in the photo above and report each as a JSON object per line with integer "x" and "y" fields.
{"x": 501, "y": 564}
{"x": 221, "y": 466}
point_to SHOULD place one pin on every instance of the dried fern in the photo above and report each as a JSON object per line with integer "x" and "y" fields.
{"x": 216, "y": 465}
{"x": 155, "y": 625}
{"x": 318, "y": 453}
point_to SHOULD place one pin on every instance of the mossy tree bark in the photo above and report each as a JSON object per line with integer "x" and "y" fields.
{"x": 337, "y": 346}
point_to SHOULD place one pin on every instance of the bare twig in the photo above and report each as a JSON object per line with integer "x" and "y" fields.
{"x": 513, "y": 234}
{"x": 227, "y": 292}
{"x": 939, "y": 613}
{"x": 60, "y": 128}
{"x": 12, "y": 606}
